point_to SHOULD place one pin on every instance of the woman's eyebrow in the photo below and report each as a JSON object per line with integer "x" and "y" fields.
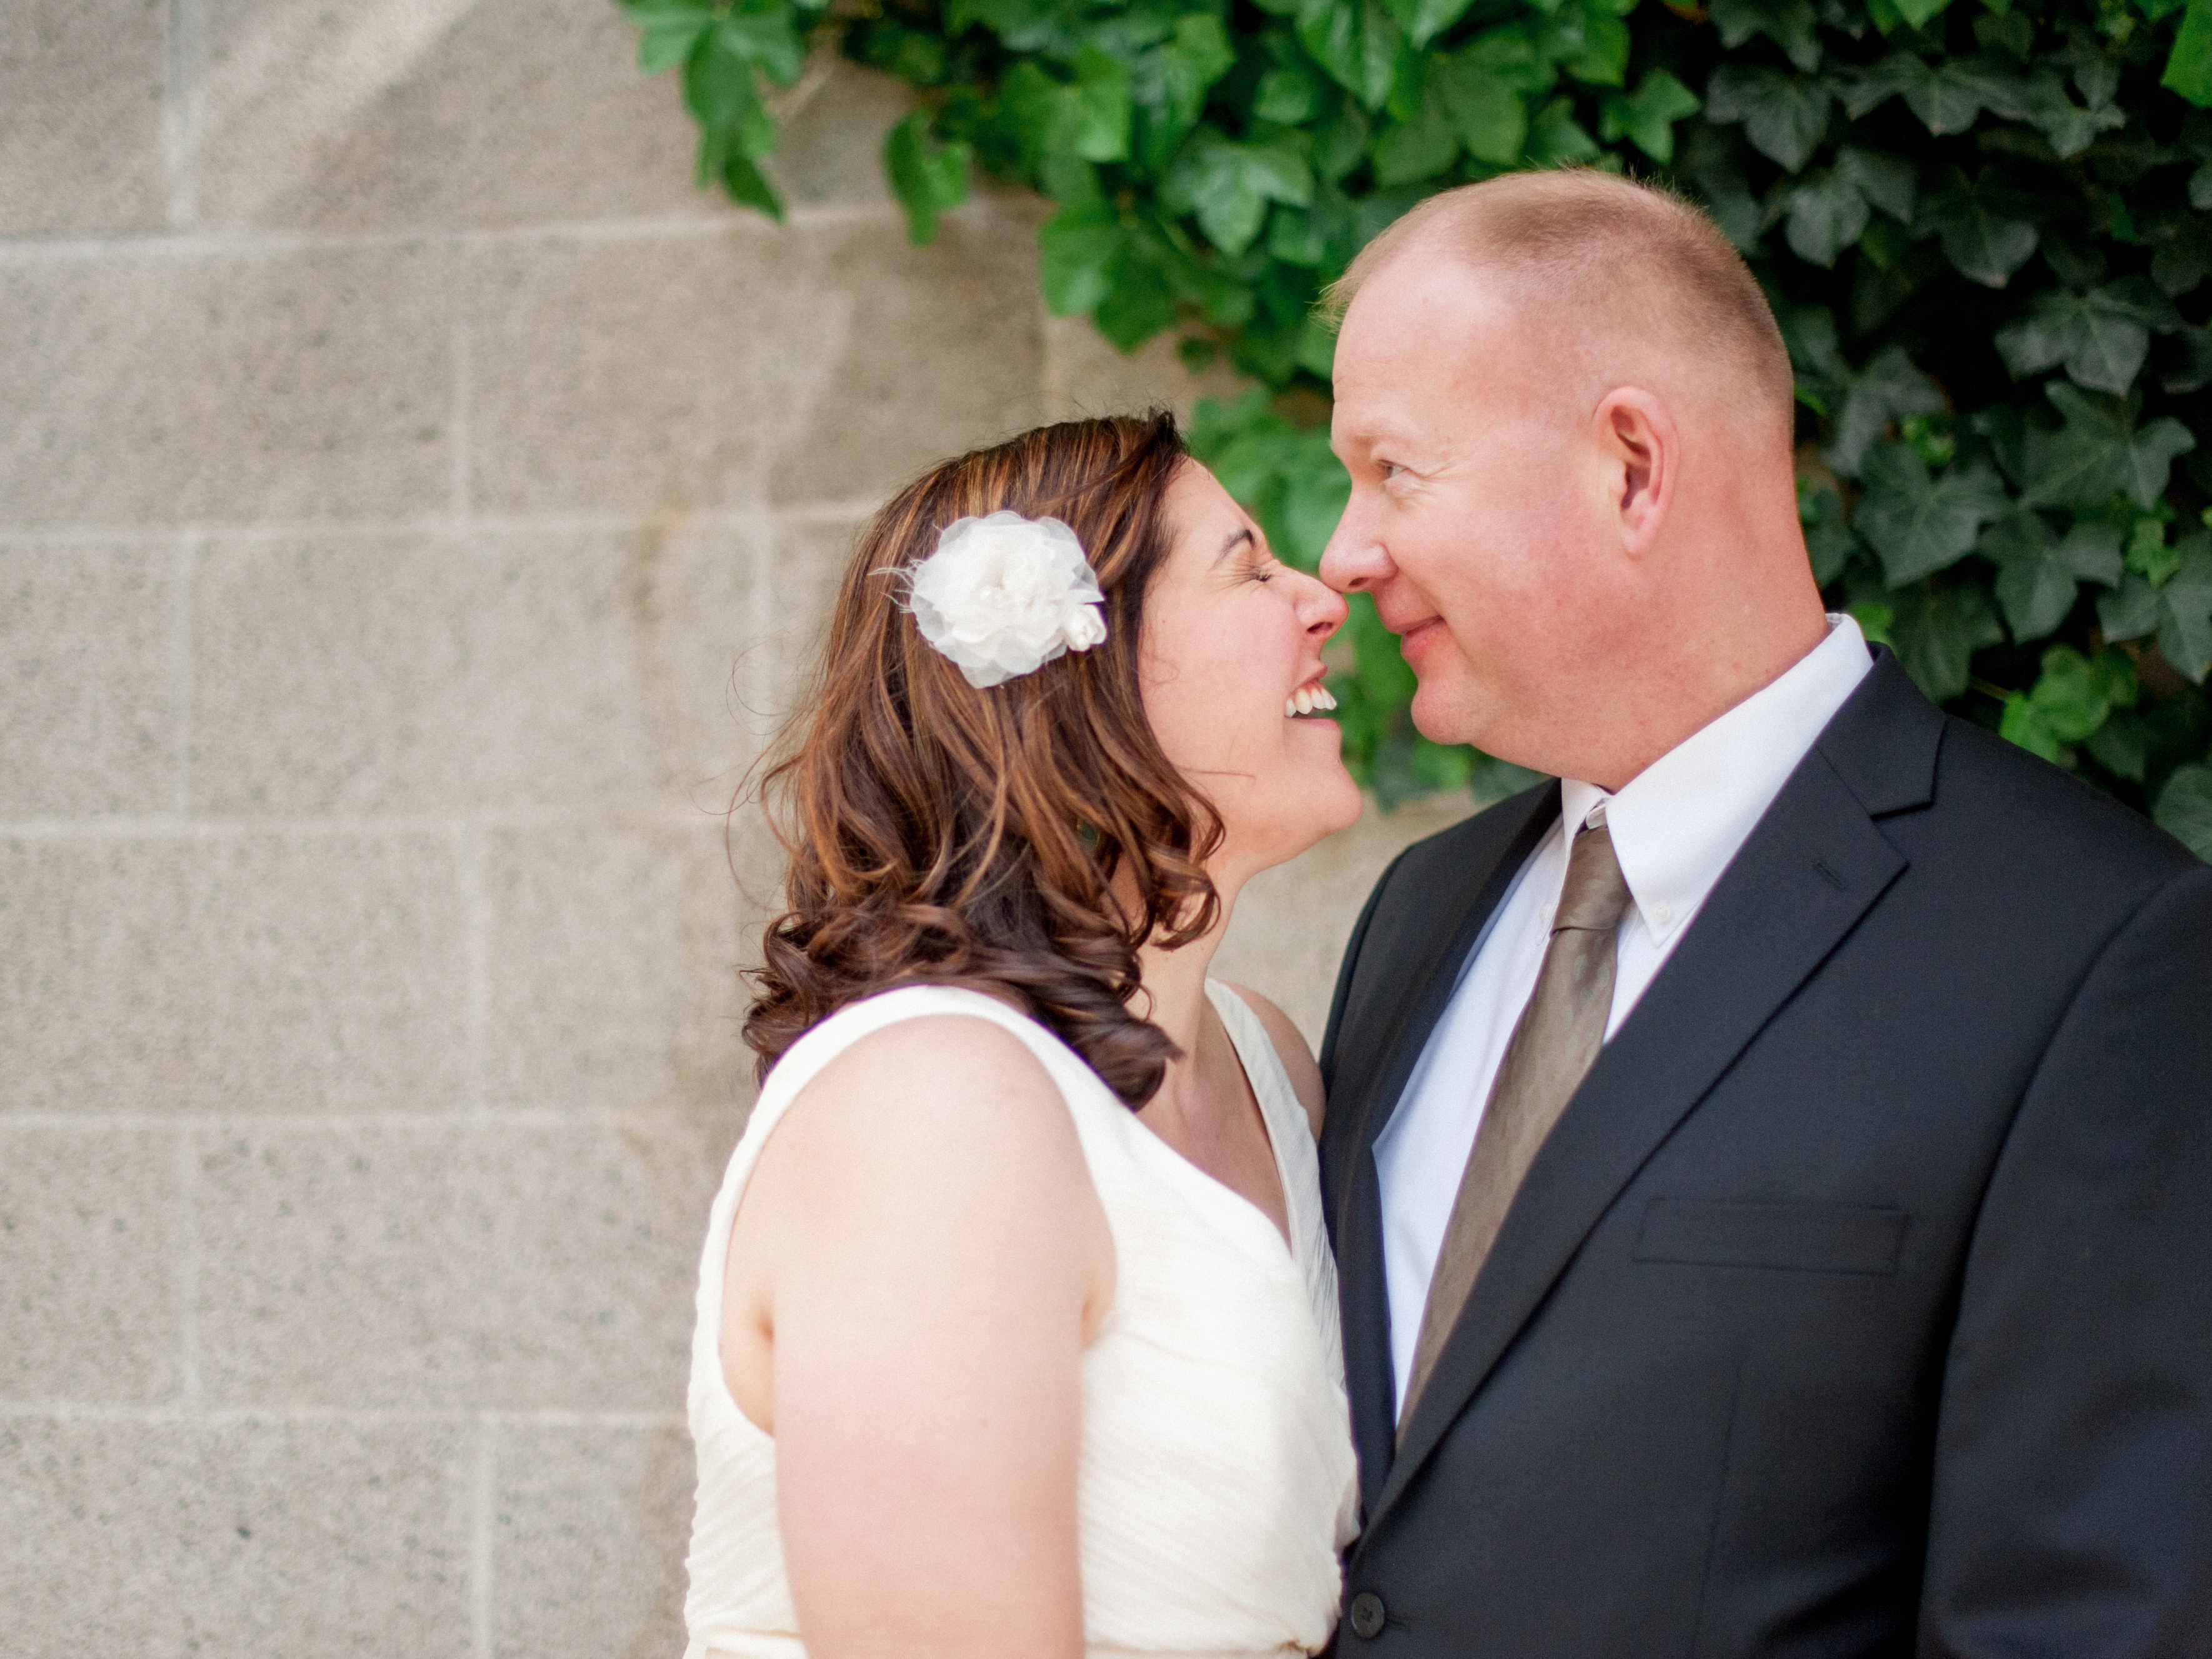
{"x": 1241, "y": 533}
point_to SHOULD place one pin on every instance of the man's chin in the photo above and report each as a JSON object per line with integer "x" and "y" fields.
{"x": 1446, "y": 714}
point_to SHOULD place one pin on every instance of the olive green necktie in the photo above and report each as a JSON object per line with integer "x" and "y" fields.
{"x": 1553, "y": 1044}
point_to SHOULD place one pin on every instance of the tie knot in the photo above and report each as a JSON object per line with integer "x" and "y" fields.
{"x": 1595, "y": 896}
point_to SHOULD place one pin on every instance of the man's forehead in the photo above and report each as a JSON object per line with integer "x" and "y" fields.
{"x": 1446, "y": 335}
{"x": 1432, "y": 326}
{"x": 1422, "y": 287}
{"x": 1376, "y": 414}
{"x": 1387, "y": 379}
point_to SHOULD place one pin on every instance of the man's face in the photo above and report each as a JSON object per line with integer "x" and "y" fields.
{"x": 1476, "y": 516}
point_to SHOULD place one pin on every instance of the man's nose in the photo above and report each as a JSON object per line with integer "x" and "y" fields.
{"x": 1355, "y": 560}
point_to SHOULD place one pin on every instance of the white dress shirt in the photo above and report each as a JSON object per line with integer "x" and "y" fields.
{"x": 1675, "y": 828}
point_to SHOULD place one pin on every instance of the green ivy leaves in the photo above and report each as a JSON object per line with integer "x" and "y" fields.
{"x": 930, "y": 178}
{"x": 1936, "y": 628}
{"x": 2040, "y": 574}
{"x": 1788, "y": 23}
{"x": 2100, "y": 452}
{"x": 725, "y": 50}
{"x": 1480, "y": 107}
{"x": 1169, "y": 83}
{"x": 2175, "y": 609}
{"x": 1783, "y": 115}
{"x": 2189, "y": 70}
{"x": 1089, "y": 116}
{"x": 1949, "y": 96}
{"x": 1889, "y": 390}
{"x": 1827, "y": 211}
{"x": 2184, "y": 808}
{"x": 2102, "y": 336}
{"x": 1358, "y": 45}
{"x": 1647, "y": 117}
{"x": 1987, "y": 233}
{"x": 1983, "y": 223}
{"x": 1229, "y": 185}
{"x": 2071, "y": 700}
{"x": 1918, "y": 524}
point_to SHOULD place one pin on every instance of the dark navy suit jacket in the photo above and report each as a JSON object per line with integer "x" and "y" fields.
{"x": 1861, "y": 1301}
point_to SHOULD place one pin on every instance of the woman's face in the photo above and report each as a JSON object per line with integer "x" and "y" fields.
{"x": 1232, "y": 647}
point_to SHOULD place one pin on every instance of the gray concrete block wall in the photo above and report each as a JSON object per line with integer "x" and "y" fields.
{"x": 417, "y": 505}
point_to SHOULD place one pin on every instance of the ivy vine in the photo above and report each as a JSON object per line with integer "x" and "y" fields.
{"x": 1983, "y": 225}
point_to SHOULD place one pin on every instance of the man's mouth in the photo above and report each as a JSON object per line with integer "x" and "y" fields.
{"x": 1414, "y": 631}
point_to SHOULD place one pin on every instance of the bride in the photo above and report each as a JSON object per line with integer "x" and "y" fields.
{"x": 1017, "y": 1327}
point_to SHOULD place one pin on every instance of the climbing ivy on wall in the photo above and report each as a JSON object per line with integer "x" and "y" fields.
{"x": 1982, "y": 223}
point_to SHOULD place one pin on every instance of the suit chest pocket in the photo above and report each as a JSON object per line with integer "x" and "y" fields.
{"x": 1811, "y": 1238}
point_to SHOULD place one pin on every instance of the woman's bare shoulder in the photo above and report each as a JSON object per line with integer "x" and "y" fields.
{"x": 1290, "y": 1044}
{"x": 939, "y": 1076}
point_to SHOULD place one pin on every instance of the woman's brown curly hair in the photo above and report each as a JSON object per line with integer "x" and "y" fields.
{"x": 939, "y": 834}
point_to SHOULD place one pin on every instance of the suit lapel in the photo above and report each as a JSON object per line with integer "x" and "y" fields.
{"x": 1431, "y": 970}
{"x": 1812, "y": 868}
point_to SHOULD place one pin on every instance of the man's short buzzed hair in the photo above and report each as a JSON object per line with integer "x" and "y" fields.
{"x": 1596, "y": 244}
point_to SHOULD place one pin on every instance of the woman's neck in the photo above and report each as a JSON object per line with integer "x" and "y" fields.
{"x": 1174, "y": 992}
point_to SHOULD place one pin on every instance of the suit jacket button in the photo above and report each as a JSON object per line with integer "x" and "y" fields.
{"x": 1368, "y": 1613}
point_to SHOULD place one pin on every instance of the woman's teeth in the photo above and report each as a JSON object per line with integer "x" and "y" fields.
{"x": 1305, "y": 700}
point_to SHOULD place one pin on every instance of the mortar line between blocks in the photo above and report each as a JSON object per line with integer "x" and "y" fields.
{"x": 660, "y": 815}
{"x": 463, "y": 389}
{"x": 1052, "y": 367}
{"x": 476, "y": 962}
{"x": 740, "y": 518}
{"x": 180, "y": 110}
{"x": 762, "y": 674}
{"x": 180, "y": 647}
{"x": 273, "y": 242}
{"x": 466, "y": 1116}
{"x": 68, "y": 1411}
{"x": 484, "y": 1500}
{"x": 188, "y": 1273}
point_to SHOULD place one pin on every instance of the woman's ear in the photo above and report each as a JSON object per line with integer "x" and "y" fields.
{"x": 1638, "y": 437}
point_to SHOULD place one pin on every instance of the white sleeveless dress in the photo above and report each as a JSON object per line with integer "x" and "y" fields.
{"x": 1217, "y": 1483}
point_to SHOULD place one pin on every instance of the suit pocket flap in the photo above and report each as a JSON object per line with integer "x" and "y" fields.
{"x": 1819, "y": 1238}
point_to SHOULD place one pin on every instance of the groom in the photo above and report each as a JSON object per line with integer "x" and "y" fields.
{"x": 1770, "y": 1167}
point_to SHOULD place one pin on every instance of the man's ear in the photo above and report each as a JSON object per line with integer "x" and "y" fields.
{"x": 1637, "y": 436}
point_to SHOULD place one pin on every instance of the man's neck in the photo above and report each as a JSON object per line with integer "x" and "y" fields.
{"x": 1692, "y": 692}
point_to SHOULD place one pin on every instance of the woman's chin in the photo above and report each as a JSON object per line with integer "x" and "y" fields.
{"x": 1293, "y": 805}
{"x": 1348, "y": 802}
{"x": 1328, "y": 802}
{"x": 1326, "y": 783}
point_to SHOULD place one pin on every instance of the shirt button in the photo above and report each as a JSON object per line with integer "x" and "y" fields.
{"x": 1663, "y": 914}
{"x": 1368, "y": 1613}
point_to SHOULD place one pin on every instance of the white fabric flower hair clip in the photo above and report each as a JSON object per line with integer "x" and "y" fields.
{"x": 1004, "y": 595}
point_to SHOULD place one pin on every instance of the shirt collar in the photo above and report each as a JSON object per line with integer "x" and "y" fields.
{"x": 1678, "y": 823}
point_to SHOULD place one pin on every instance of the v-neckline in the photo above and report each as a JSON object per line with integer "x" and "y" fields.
{"x": 1284, "y": 1237}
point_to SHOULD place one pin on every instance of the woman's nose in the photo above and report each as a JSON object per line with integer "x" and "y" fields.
{"x": 1322, "y": 607}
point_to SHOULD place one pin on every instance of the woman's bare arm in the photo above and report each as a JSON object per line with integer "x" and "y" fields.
{"x": 925, "y": 1257}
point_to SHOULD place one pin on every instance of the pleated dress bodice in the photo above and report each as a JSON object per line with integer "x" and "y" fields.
{"x": 1216, "y": 1484}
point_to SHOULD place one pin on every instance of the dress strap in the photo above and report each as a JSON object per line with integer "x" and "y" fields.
{"x": 1263, "y": 1068}
{"x": 1298, "y": 1161}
